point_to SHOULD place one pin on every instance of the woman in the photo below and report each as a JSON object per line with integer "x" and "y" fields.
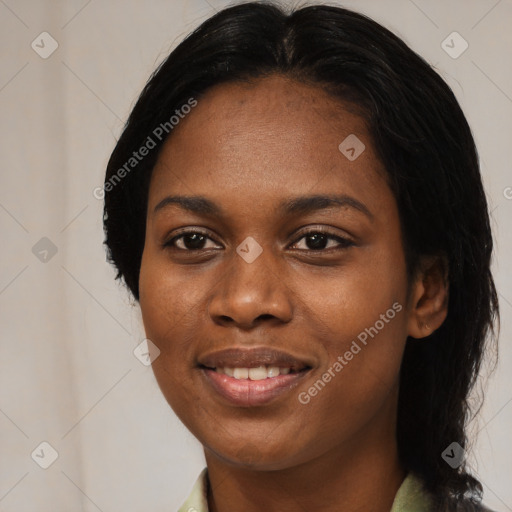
{"x": 296, "y": 204}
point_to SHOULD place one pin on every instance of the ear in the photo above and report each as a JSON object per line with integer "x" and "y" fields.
{"x": 428, "y": 305}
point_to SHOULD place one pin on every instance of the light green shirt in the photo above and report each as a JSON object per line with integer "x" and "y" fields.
{"x": 410, "y": 497}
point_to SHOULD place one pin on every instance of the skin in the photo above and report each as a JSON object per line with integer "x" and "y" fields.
{"x": 247, "y": 147}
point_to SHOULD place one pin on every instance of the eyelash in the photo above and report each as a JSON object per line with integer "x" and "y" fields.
{"x": 344, "y": 242}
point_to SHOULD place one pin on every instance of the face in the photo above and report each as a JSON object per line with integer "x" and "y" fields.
{"x": 263, "y": 272}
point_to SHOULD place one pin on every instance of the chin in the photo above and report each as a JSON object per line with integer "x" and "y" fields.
{"x": 250, "y": 455}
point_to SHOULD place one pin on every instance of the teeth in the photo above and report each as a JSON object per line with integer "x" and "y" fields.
{"x": 241, "y": 373}
{"x": 273, "y": 371}
{"x": 259, "y": 373}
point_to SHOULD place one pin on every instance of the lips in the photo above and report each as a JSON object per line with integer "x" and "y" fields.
{"x": 253, "y": 358}
{"x": 252, "y": 376}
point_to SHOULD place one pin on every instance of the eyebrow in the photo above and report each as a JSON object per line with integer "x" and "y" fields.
{"x": 295, "y": 205}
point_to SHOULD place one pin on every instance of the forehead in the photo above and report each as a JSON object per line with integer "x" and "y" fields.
{"x": 267, "y": 138}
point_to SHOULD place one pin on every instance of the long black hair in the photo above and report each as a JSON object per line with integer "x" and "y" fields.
{"x": 423, "y": 139}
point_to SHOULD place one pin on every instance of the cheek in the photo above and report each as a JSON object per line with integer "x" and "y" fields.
{"x": 364, "y": 313}
{"x": 166, "y": 315}
{"x": 174, "y": 305}
{"x": 169, "y": 305}
{"x": 349, "y": 302}
{"x": 364, "y": 349}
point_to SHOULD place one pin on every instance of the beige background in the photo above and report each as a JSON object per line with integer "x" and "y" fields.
{"x": 68, "y": 375}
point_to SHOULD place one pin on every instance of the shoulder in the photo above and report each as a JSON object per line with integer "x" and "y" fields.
{"x": 413, "y": 496}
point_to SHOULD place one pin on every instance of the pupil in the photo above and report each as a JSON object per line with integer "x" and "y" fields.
{"x": 318, "y": 241}
{"x": 196, "y": 238}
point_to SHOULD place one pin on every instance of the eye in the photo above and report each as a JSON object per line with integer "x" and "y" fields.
{"x": 189, "y": 241}
{"x": 318, "y": 240}
{"x": 315, "y": 240}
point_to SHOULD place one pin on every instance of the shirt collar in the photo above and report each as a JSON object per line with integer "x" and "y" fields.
{"x": 410, "y": 497}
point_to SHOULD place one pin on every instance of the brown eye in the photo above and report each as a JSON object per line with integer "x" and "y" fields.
{"x": 189, "y": 241}
{"x": 318, "y": 240}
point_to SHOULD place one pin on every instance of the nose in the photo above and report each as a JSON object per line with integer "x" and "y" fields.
{"x": 250, "y": 293}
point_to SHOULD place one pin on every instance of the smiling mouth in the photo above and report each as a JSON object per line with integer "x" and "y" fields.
{"x": 255, "y": 376}
{"x": 257, "y": 373}
{"x": 252, "y": 387}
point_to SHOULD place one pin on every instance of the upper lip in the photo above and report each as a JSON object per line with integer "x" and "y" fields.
{"x": 252, "y": 358}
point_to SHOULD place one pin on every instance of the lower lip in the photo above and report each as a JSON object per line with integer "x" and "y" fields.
{"x": 248, "y": 393}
